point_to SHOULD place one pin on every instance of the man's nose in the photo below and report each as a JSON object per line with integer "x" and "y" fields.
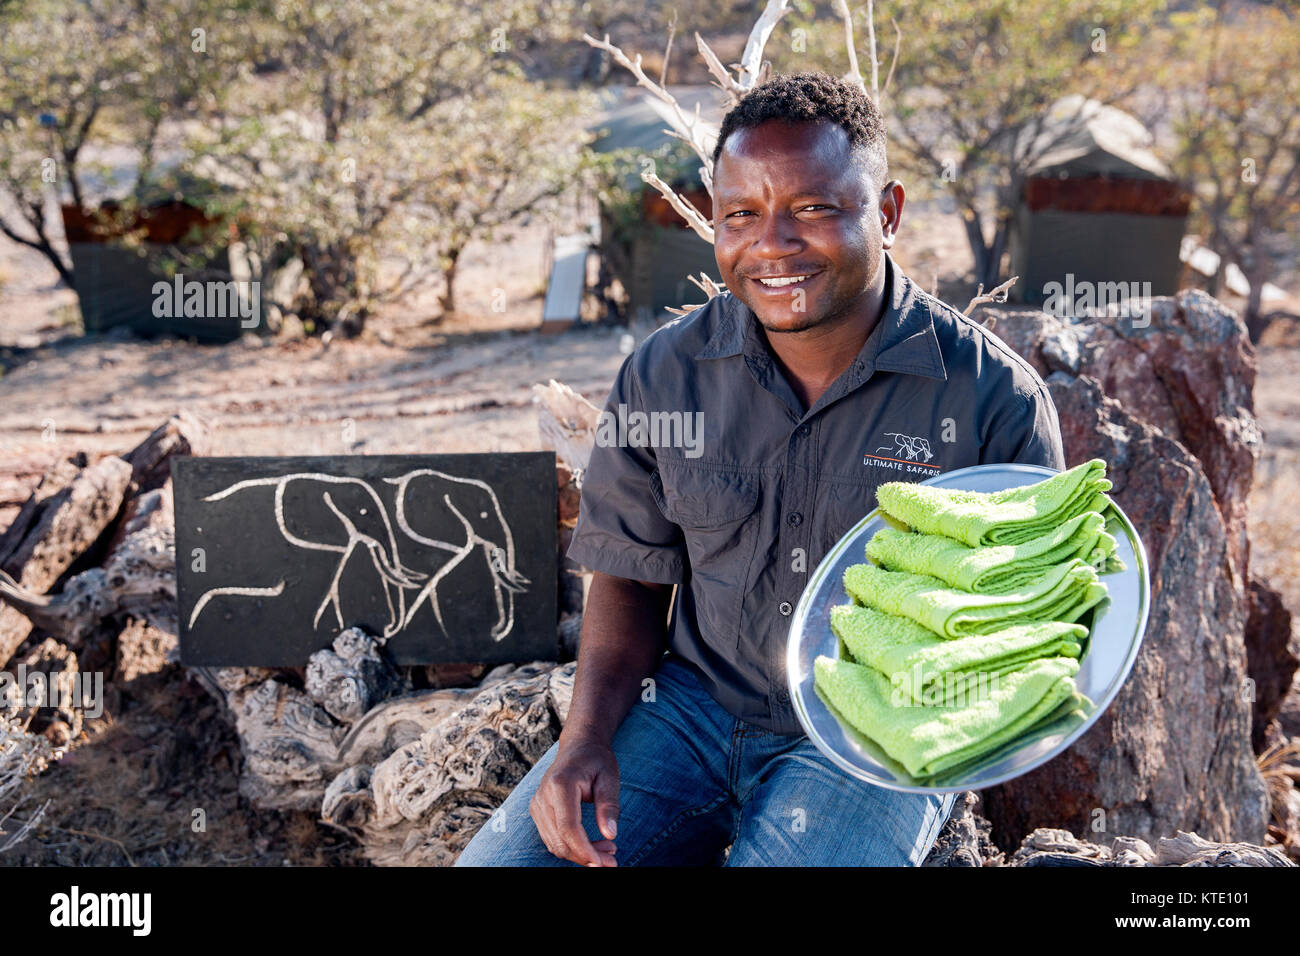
{"x": 778, "y": 235}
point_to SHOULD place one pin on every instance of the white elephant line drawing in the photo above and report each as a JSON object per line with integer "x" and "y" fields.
{"x": 385, "y": 555}
{"x": 507, "y": 578}
{"x": 246, "y": 592}
{"x": 912, "y": 447}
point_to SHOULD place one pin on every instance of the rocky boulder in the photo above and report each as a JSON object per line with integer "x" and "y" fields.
{"x": 1188, "y": 370}
{"x": 1173, "y": 749}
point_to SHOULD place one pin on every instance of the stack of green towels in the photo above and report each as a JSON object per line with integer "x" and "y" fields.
{"x": 963, "y": 634}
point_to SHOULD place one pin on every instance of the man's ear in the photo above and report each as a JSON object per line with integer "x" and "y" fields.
{"x": 892, "y": 197}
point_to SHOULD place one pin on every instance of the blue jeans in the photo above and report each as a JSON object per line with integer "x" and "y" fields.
{"x": 694, "y": 780}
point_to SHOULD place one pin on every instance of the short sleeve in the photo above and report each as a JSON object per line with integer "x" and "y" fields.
{"x": 620, "y": 528}
{"x": 1029, "y": 433}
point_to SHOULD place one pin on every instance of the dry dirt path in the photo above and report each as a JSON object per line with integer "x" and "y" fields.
{"x": 295, "y": 398}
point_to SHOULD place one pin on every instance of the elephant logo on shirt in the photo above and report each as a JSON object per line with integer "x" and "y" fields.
{"x": 908, "y": 447}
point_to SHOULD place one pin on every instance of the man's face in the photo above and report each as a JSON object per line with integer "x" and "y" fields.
{"x": 792, "y": 199}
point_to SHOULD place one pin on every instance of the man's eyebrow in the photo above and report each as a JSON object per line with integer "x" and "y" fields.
{"x": 727, "y": 196}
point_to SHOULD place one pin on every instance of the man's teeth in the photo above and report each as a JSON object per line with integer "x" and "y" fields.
{"x": 774, "y": 283}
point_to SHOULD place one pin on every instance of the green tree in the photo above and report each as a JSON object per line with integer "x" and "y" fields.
{"x": 396, "y": 132}
{"x": 973, "y": 85}
{"x": 103, "y": 73}
{"x": 1235, "y": 87}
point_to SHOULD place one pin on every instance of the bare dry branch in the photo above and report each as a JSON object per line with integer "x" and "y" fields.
{"x": 898, "y": 42}
{"x": 672, "y": 31}
{"x": 998, "y": 294}
{"x": 751, "y": 61}
{"x": 854, "y": 75}
{"x": 707, "y": 284}
{"x": 684, "y": 209}
{"x": 689, "y": 131}
{"x": 726, "y": 82}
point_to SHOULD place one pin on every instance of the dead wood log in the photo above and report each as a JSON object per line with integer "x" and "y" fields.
{"x": 423, "y": 803}
{"x": 138, "y": 577}
{"x": 964, "y": 839}
{"x": 415, "y": 775}
{"x": 567, "y": 423}
{"x": 56, "y": 478}
{"x": 295, "y": 741}
{"x": 350, "y": 678}
{"x": 1051, "y": 847}
{"x": 141, "y": 648}
{"x": 182, "y": 434}
{"x": 66, "y": 524}
{"x": 1188, "y": 849}
{"x": 45, "y": 676}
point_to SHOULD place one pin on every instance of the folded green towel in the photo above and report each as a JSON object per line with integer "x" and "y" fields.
{"x": 926, "y": 740}
{"x": 1010, "y": 516}
{"x": 999, "y": 568}
{"x": 1063, "y": 594}
{"x": 1068, "y": 715}
{"x": 928, "y": 669}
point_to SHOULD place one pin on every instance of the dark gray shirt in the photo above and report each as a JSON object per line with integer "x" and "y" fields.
{"x": 709, "y": 473}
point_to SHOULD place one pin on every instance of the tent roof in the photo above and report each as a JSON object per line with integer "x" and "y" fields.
{"x": 633, "y": 117}
{"x": 1088, "y": 138}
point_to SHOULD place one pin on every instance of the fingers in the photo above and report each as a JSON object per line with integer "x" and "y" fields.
{"x": 605, "y": 797}
{"x": 540, "y": 811}
{"x": 606, "y": 850}
{"x": 556, "y": 824}
{"x": 569, "y": 831}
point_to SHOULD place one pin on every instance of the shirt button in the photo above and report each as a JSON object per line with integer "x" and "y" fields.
{"x": 786, "y": 608}
{"x": 782, "y": 697}
{"x": 795, "y": 518}
{"x": 803, "y": 431}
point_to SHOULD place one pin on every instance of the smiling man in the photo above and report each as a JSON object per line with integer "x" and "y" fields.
{"x": 821, "y": 373}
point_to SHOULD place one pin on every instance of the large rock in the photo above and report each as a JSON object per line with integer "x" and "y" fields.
{"x": 1271, "y": 649}
{"x": 1188, "y": 370}
{"x": 1173, "y": 749}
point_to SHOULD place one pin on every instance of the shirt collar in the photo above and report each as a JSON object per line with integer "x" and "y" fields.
{"x": 903, "y": 341}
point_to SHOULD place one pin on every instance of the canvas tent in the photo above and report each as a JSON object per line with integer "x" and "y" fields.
{"x": 1098, "y": 205}
{"x": 653, "y": 257}
{"x": 116, "y": 281}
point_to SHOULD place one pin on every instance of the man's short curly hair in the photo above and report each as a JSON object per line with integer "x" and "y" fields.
{"x": 810, "y": 96}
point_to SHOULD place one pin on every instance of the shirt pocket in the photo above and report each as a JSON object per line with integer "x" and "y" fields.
{"x": 717, "y": 510}
{"x": 703, "y": 499}
{"x": 841, "y": 505}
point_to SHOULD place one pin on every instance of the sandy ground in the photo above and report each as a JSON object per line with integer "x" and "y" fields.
{"x": 409, "y": 385}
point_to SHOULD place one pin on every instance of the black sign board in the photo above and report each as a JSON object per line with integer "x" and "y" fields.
{"x": 447, "y": 557}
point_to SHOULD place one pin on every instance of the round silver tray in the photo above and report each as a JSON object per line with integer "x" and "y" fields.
{"x": 1116, "y": 627}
